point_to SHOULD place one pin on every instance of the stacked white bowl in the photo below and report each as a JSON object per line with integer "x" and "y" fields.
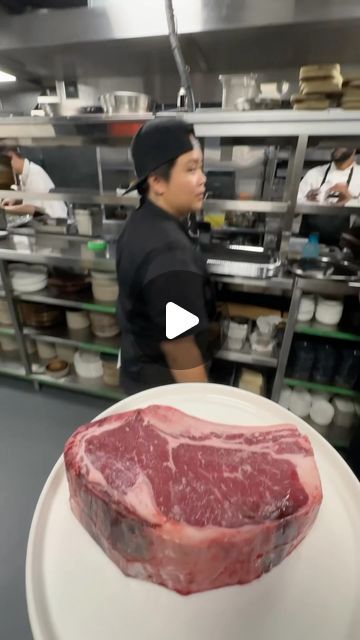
{"x": 28, "y": 279}
{"x": 104, "y": 286}
{"x": 88, "y": 366}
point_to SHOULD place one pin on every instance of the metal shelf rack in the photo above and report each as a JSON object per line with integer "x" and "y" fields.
{"x": 293, "y": 129}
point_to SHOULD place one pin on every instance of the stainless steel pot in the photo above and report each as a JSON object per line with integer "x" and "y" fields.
{"x": 126, "y": 102}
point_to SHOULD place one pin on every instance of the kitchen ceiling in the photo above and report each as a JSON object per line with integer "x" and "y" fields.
{"x": 217, "y": 37}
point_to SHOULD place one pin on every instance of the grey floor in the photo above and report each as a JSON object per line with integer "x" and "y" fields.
{"x": 33, "y": 429}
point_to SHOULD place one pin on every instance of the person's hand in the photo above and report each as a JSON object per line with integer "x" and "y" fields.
{"x": 312, "y": 195}
{"x": 343, "y": 190}
{"x": 8, "y": 203}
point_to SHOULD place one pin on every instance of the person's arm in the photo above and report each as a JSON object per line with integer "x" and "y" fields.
{"x": 179, "y": 353}
{"x": 169, "y": 278}
{"x": 308, "y": 191}
{"x": 20, "y": 209}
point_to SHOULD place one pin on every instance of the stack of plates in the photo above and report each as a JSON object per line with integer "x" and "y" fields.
{"x": 40, "y": 315}
{"x": 69, "y": 283}
{"x": 28, "y": 279}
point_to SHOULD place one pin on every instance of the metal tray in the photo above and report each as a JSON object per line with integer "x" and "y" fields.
{"x": 326, "y": 269}
{"x": 243, "y": 269}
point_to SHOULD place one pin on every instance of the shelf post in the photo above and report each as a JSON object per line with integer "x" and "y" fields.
{"x": 15, "y": 318}
{"x": 296, "y": 164}
{"x": 287, "y": 340}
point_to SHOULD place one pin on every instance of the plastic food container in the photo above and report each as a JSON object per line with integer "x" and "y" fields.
{"x": 104, "y": 325}
{"x": 89, "y": 221}
{"x": 88, "y": 365}
{"x": 111, "y": 374}
{"x": 236, "y": 335}
{"x": 238, "y": 89}
{"x": 329, "y": 311}
{"x": 252, "y": 381}
{"x": 104, "y": 286}
{"x": 306, "y": 309}
{"x": 77, "y": 319}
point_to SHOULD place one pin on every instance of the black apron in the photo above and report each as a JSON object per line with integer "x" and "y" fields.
{"x": 329, "y": 228}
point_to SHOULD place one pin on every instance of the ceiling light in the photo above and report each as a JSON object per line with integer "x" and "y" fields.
{"x": 7, "y": 77}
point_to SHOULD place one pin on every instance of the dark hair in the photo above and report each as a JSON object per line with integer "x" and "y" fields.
{"x": 164, "y": 172}
{"x": 4, "y": 149}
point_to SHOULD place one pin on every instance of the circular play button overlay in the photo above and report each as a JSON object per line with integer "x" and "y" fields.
{"x": 174, "y": 321}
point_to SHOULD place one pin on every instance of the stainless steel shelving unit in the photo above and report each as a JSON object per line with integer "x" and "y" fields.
{"x": 290, "y": 128}
{"x": 245, "y": 356}
{"x": 87, "y": 341}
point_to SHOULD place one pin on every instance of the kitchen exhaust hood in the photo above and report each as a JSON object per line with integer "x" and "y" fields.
{"x": 121, "y": 38}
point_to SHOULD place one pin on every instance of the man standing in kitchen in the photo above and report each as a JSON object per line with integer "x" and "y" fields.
{"x": 337, "y": 183}
{"x": 166, "y": 301}
{"x": 31, "y": 177}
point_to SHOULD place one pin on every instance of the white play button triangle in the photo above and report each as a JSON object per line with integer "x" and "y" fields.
{"x": 178, "y": 320}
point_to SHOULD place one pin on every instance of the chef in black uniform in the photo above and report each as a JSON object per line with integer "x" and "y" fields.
{"x": 158, "y": 264}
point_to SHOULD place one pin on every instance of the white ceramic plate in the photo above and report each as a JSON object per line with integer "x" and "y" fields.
{"x": 74, "y": 591}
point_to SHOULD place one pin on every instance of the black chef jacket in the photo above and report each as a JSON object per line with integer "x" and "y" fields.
{"x": 157, "y": 263}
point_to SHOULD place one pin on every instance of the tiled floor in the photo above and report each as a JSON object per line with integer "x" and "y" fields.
{"x": 33, "y": 429}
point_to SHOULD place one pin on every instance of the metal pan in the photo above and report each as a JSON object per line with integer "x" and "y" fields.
{"x": 126, "y": 102}
{"x": 325, "y": 269}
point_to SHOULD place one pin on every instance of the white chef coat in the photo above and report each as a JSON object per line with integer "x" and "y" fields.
{"x": 314, "y": 178}
{"x": 34, "y": 178}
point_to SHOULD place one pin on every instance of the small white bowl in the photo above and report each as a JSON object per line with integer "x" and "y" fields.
{"x": 57, "y": 368}
{"x": 285, "y": 397}
{"x": 300, "y": 403}
{"x": 322, "y": 413}
{"x": 46, "y": 350}
{"x": 329, "y": 311}
{"x": 77, "y": 319}
{"x": 104, "y": 291}
{"x": 306, "y": 309}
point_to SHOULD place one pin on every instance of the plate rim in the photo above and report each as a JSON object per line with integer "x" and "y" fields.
{"x": 58, "y": 470}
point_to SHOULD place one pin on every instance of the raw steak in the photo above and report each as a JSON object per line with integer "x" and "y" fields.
{"x": 190, "y": 504}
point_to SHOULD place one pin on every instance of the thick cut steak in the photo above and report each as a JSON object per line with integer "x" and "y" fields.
{"x": 190, "y": 504}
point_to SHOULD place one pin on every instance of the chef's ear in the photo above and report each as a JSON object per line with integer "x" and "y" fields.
{"x": 156, "y": 184}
